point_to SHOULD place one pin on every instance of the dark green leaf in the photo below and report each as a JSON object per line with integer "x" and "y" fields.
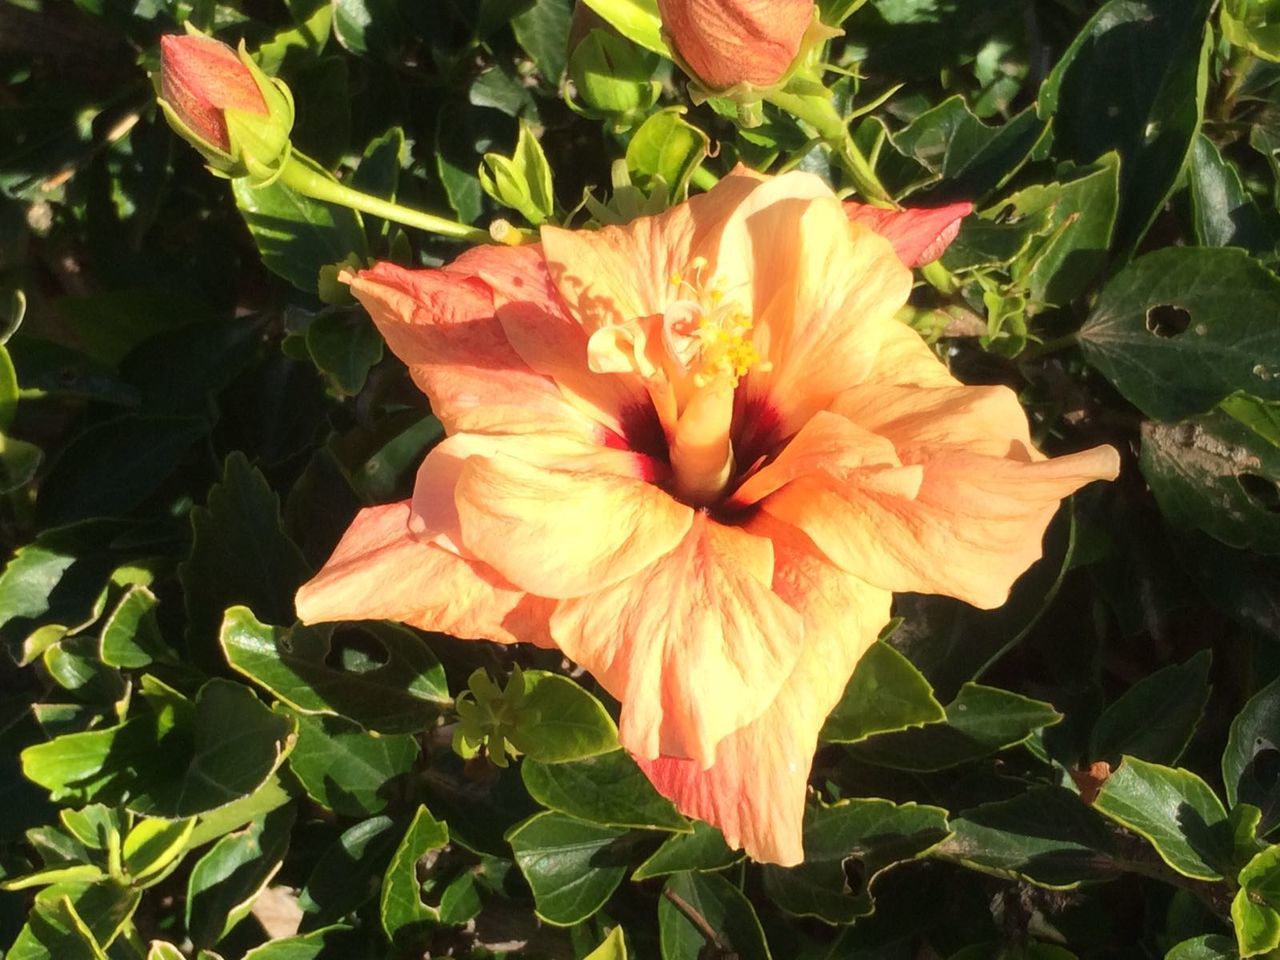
{"x": 130, "y": 635}
{"x": 703, "y": 849}
{"x": 1208, "y": 947}
{"x": 730, "y": 925}
{"x": 347, "y": 769}
{"x": 1214, "y": 474}
{"x": 572, "y": 866}
{"x": 349, "y": 873}
{"x": 296, "y": 235}
{"x": 543, "y": 31}
{"x": 1182, "y": 328}
{"x": 885, "y": 694}
{"x": 1045, "y": 836}
{"x": 1251, "y": 759}
{"x": 404, "y": 916}
{"x": 1156, "y": 717}
{"x": 608, "y": 789}
{"x": 227, "y": 880}
{"x": 337, "y": 942}
{"x": 345, "y": 345}
{"x": 1175, "y": 811}
{"x": 980, "y": 721}
{"x": 1225, "y": 214}
{"x": 1134, "y": 82}
{"x": 392, "y": 683}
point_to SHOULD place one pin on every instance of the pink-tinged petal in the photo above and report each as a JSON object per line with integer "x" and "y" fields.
{"x": 728, "y": 42}
{"x": 443, "y": 327}
{"x": 694, "y": 646}
{"x": 536, "y": 322}
{"x": 919, "y": 420}
{"x": 829, "y": 444}
{"x": 972, "y": 529}
{"x": 616, "y": 274}
{"x": 919, "y": 235}
{"x": 755, "y": 791}
{"x": 381, "y": 571}
{"x": 567, "y": 525}
{"x": 201, "y": 78}
{"x": 822, "y": 291}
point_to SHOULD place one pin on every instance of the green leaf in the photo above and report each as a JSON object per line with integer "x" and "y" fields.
{"x": 368, "y": 28}
{"x": 71, "y": 921}
{"x": 130, "y": 636}
{"x": 637, "y": 20}
{"x": 1156, "y": 717}
{"x": 213, "y": 752}
{"x": 404, "y": 916}
{"x": 885, "y": 694}
{"x": 19, "y": 463}
{"x": 1078, "y": 212}
{"x": 1208, "y": 947}
{"x": 1133, "y": 81}
{"x": 703, "y": 849}
{"x": 1260, "y": 416}
{"x": 1251, "y": 756}
{"x": 980, "y": 721}
{"x": 521, "y": 181}
{"x": 75, "y": 873}
{"x": 334, "y": 942}
{"x": 296, "y": 235}
{"x": 968, "y": 156}
{"x": 543, "y": 31}
{"x": 1224, "y": 213}
{"x": 609, "y": 789}
{"x": 1254, "y": 25}
{"x": 1255, "y": 911}
{"x": 88, "y": 479}
{"x": 1214, "y": 474}
{"x": 239, "y": 555}
{"x": 8, "y": 390}
{"x": 566, "y": 722}
{"x": 730, "y": 925}
{"x": 614, "y": 947}
{"x": 1181, "y": 328}
{"x": 227, "y": 880}
{"x": 1044, "y": 836}
{"x": 872, "y": 834}
{"x": 216, "y": 823}
{"x": 345, "y": 346}
{"x": 153, "y": 845}
{"x": 344, "y": 767}
{"x": 571, "y": 865}
{"x": 666, "y": 150}
{"x": 398, "y": 689}
{"x": 349, "y": 873}
{"x": 1176, "y": 811}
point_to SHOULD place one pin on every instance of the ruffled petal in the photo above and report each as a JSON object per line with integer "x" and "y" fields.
{"x": 443, "y": 327}
{"x": 694, "y": 646}
{"x": 823, "y": 293}
{"x": 381, "y": 571}
{"x": 567, "y": 525}
{"x": 755, "y": 791}
{"x": 829, "y": 444}
{"x": 974, "y": 526}
{"x": 920, "y": 235}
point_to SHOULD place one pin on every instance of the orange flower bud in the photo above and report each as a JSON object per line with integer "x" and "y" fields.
{"x": 220, "y": 102}
{"x": 202, "y": 78}
{"x": 723, "y": 43}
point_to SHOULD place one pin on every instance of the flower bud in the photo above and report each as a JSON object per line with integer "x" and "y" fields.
{"x": 614, "y": 77}
{"x": 222, "y": 103}
{"x": 728, "y": 43}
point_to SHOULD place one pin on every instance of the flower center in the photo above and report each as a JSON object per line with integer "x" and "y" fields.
{"x": 707, "y": 333}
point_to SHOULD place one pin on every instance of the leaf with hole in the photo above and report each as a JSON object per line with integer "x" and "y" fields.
{"x": 404, "y": 916}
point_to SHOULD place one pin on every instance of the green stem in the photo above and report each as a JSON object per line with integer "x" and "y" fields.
{"x": 1038, "y": 350}
{"x": 940, "y": 278}
{"x": 821, "y": 114}
{"x": 703, "y": 179}
{"x": 304, "y": 176}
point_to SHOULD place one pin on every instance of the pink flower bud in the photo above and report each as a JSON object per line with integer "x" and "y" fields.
{"x": 201, "y": 79}
{"x": 724, "y": 43}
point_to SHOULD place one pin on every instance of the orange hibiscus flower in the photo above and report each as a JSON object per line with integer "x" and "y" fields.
{"x": 697, "y": 454}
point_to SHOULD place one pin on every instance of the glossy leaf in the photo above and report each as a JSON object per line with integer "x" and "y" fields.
{"x": 1251, "y": 759}
{"x": 347, "y": 769}
{"x": 404, "y": 916}
{"x": 729, "y": 922}
{"x": 572, "y": 866}
{"x": 565, "y": 721}
{"x": 885, "y": 694}
{"x": 1155, "y": 719}
{"x": 703, "y": 849}
{"x": 609, "y": 789}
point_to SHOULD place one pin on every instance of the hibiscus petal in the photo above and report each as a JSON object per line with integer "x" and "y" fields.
{"x": 381, "y": 571}
{"x": 443, "y": 327}
{"x": 568, "y": 525}
{"x": 695, "y": 646}
{"x": 973, "y": 528}
{"x": 919, "y": 235}
{"x": 829, "y": 443}
{"x": 755, "y": 790}
{"x": 985, "y": 420}
{"x": 823, "y": 294}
